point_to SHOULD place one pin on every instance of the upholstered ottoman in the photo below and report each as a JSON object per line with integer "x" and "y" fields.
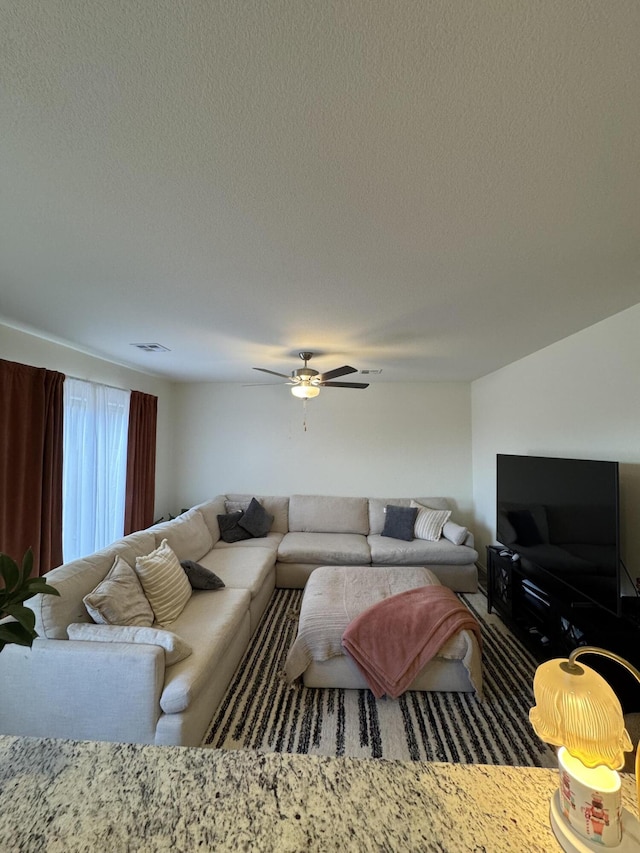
{"x": 335, "y": 595}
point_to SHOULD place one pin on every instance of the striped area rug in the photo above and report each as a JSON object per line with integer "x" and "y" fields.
{"x": 261, "y": 711}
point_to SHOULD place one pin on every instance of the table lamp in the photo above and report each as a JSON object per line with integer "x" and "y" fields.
{"x": 577, "y": 711}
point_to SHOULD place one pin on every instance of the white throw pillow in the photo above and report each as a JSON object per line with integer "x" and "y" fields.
{"x": 119, "y": 599}
{"x": 455, "y": 533}
{"x": 175, "y": 648}
{"x": 429, "y": 522}
{"x": 165, "y": 583}
{"x": 236, "y": 506}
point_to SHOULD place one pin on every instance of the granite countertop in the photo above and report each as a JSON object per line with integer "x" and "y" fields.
{"x": 72, "y": 796}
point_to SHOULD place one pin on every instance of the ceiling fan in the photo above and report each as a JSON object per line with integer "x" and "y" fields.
{"x": 306, "y": 382}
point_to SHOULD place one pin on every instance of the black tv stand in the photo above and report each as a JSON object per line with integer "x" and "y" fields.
{"x": 631, "y": 608}
{"x": 552, "y": 619}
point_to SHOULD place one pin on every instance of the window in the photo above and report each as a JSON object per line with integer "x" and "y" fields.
{"x": 94, "y": 466}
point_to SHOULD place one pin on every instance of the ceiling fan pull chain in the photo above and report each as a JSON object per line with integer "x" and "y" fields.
{"x": 304, "y": 414}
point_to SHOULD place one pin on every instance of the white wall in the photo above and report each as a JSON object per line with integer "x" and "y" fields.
{"x": 391, "y": 440}
{"x": 29, "y": 349}
{"x": 579, "y": 398}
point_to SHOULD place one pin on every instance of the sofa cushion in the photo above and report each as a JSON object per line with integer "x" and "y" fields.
{"x": 243, "y": 568}
{"x": 277, "y": 506}
{"x": 271, "y": 541}
{"x": 119, "y": 598}
{"x": 256, "y": 520}
{"x": 208, "y": 623}
{"x": 377, "y": 505}
{"x": 175, "y": 648}
{"x": 199, "y": 577}
{"x": 73, "y": 580}
{"x": 323, "y": 514}
{"x": 230, "y": 530}
{"x": 76, "y": 579}
{"x": 429, "y": 522}
{"x": 399, "y": 522}
{"x": 188, "y": 535}
{"x": 210, "y": 510}
{"x": 134, "y": 545}
{"x": 165, "y": 583}
{"x": 395, "y": 552}
{"x": 332, "y": 549}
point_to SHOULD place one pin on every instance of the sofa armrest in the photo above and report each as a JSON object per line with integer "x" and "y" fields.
{"x": 83, "y": 691}
{"x": 470, "y": 541}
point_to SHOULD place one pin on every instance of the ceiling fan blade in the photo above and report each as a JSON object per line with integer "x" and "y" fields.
{"x": 272, "y": 372}
{"x": 339, "y": 371}
{"x": 344, "y": 384}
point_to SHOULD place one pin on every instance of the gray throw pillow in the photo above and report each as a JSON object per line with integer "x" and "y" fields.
{"x": 119, "y": 599}
{"x": 230, "y": 530}
{"x": 199, "y": 577}
{"x": 256, "y": 520}
{"x": 399, "y": 522}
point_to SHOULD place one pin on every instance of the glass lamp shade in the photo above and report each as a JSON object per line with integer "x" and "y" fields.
{"x": 305, "y": 391}
{"x": 576, "y": 708}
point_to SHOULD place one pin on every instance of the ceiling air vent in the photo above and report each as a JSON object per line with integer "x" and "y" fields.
{"x": 152, "y": 347}
{"x": 371, "y": 371}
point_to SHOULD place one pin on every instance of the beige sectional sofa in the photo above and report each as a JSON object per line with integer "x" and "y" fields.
{"x": 126, "y": 691}
{"x": 331, "y": 531}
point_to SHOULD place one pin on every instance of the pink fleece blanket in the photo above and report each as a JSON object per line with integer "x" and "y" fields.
{"x": 395, "y": 638}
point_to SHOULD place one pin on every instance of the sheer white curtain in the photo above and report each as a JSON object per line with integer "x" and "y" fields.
{"x": 94, "y": 466}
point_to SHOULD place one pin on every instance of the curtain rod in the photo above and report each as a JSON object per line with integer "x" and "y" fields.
{"x": 103, "y": 384}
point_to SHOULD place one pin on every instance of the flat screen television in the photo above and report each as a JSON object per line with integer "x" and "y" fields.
{"x": 562, "y": 515}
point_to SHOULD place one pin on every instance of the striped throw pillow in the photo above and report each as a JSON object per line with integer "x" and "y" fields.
{"x": 429, "y": 522}
{"x": 165, "y": 583}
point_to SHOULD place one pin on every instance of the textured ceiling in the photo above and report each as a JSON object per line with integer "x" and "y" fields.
{"x": 431, "y": 188}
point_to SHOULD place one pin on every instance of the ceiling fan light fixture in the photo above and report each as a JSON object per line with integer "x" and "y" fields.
{"x": 306, "y": 382}
{"x": 305, "y": 391}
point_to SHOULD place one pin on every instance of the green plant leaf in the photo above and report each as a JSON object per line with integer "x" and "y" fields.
{"x": 9, "y": 572}
{"x": 25, "y": 616}
{"x": 18, "y": 587}
{"x": 27, "y": 565}
{"x": 34, "y": 586}
{"x": 14, "y": 632}
{"x": 41, "y": 585}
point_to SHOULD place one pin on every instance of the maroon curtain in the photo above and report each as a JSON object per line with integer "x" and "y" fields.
{"x": 141, "y": 462}
{"x": 31, "y": 416}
